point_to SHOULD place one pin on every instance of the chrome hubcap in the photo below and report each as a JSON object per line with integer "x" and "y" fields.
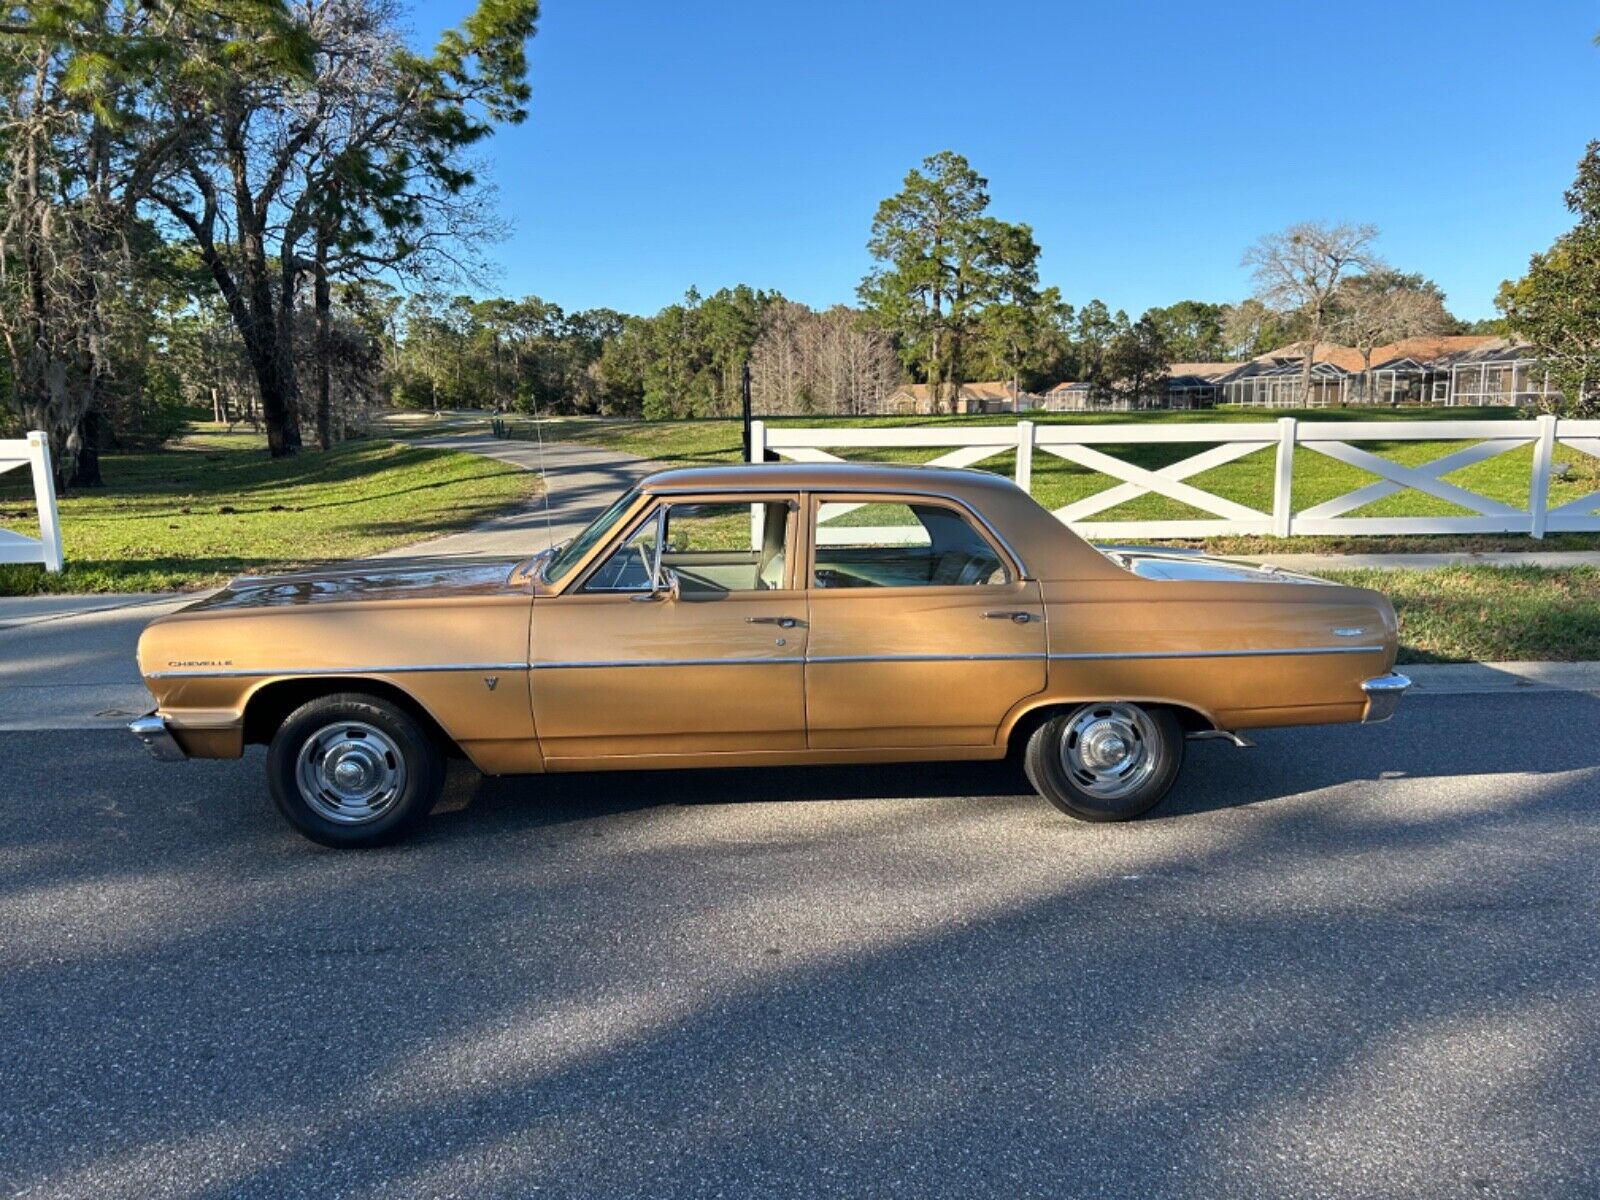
{"x": 1110, "y": 750}
{"x": 351, "y": 772}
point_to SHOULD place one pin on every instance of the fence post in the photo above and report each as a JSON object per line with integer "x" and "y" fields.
{"x": 1025, "y": 455}
{"x": 1544, "y": 453}
{"x": 758, "y": 441}
{"x": 1283, "y": 479}
{"x": 44, "y": 493}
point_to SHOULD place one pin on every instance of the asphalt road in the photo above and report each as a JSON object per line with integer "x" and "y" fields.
{"x": 1351, "y": 962}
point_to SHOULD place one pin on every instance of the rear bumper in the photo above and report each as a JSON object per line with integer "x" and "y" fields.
{"x": 1383, "y": 696}
{"x": 151, "y": 730}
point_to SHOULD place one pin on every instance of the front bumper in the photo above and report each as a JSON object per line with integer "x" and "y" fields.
{"x": 1383, "y": 696}
{"x": 151, "y": 729}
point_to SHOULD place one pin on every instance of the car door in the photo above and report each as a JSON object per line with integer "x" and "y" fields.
{"x": 923, "y": 631}
{"x": 625, "y": 664}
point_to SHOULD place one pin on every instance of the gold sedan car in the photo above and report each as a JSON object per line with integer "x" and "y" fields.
{"x": 767, "y": 615}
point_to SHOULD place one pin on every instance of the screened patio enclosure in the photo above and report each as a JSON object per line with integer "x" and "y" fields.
{"x": 1280, "y": 387}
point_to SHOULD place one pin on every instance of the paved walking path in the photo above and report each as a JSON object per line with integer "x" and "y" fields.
{"x": 581, "y": 480}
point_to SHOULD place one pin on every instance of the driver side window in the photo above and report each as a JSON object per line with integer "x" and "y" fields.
{"x": 632, "y": 564}
{"x": 710, "y": 547}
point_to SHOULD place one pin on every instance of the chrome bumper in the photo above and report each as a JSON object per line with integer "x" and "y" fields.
{"x": 151, "y": 729}
{"x": 1383, "y": 696}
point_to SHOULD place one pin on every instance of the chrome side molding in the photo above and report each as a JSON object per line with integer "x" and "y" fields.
{"x": 151, "y": 730}
{"x": 1383, "y": 696}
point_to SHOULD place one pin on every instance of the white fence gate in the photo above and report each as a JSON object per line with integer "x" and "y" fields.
{"x": 969, "y": 445}
{"x": 34, "y": 451}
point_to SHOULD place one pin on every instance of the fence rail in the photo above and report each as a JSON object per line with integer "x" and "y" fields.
{"x": 969, "y": 445}
{"x": 33, "y": 451}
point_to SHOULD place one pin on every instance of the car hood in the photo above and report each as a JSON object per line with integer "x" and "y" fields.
{"x": 403, "y": 579}
{"x": 1198, "y": 568}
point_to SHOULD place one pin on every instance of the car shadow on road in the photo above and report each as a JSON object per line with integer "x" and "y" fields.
{"x": 1216, "y": 775}
{"x": 1336, "y": 997}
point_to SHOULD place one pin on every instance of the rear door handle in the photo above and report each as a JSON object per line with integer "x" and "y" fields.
{"x": 781, "y": 622}
{"x": 1006, "y": 614}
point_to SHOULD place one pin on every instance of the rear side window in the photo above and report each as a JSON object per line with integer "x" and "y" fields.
{"x": 901, "y": 544}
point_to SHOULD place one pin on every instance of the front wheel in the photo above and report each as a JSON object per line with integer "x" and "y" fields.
{"x": 353, "y": 770}
{"x": 1109, "y": 761}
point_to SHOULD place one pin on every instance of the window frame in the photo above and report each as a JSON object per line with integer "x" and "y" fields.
{"x": 961, "y": 508}
{"x": 657, "y": 511}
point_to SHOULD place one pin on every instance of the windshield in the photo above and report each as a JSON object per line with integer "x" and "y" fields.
{"x": 573, "y": 551}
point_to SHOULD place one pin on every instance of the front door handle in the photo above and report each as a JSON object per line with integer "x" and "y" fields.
{"x": 781, "y": 622}
{"x": 1005, "y": 614}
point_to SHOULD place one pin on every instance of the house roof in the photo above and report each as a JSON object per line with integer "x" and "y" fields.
{"x": 1346, "y": 358}
{"x": 1428, "y": 350}
{"x": 1435, "y": 346}
{"x": 993, "y": 390}
{"x": 1202, "y": 370}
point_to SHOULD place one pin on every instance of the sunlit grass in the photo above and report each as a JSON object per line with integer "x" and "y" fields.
{"x": 212, "y": 504}
{"x": 1491, "y": 614}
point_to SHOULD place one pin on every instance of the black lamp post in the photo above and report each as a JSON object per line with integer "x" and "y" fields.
{"x": 744, "y": 393}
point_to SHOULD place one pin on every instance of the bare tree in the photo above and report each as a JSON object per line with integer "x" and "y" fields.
{"x": 1297, "y": 272}
{"x": 1385, "y": 306}
{"x": 833, "y": 362}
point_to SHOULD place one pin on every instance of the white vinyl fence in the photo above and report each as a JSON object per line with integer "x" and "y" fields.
{"x": 969, "y": 445}
{"x": 33, "y": 451}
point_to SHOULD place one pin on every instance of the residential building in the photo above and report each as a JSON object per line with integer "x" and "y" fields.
{"x": 995, "y": 396}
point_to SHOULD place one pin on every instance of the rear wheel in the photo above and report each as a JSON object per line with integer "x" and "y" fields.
{"x": 353, "y": 770}
{"x": 1108, "y": 761}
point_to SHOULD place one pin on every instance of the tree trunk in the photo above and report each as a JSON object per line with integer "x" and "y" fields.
{"x": 1307, "y": 363}
{"x": 323, "y": 344}
{"x": 253, "y": 320}
{"x": 85, "y": 471}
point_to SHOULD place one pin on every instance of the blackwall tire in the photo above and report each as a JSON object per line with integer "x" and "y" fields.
{"x": 1107, "y": 761}
{"x": 352, "y": 770}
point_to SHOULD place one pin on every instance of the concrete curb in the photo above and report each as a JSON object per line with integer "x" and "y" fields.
{"x": 1470, "y": 679}
{"x": 1312, "y": 563}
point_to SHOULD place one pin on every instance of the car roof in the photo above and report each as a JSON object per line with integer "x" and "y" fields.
{"x": 838, "y": 476}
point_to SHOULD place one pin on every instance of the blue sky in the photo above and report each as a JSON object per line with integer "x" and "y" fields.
{"x": 713, "y": 142}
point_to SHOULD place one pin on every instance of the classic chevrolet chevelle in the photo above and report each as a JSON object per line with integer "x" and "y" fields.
{"x": 761, "y": 616}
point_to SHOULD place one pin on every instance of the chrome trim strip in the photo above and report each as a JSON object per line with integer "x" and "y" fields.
{"x": 590, "y": 664}
{"x": 408, "y": 669}
{"x": 417, "y": 668}
{"x": 1217, "y": 653}
{"x": 868, "y": 658}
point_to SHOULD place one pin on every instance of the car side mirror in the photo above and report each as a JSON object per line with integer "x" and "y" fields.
{"x": 666, "y": 587}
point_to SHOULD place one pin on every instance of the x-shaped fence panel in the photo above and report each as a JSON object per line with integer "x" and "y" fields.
{"x": 1166, "y": 481}
{"x": 1081, "y": 445}
{"x": 1584, "y": 512}
{"x": 1493, "y": 515}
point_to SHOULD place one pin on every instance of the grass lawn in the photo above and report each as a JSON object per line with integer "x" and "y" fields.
{"x": 1246, "y": 481}
{"x": 1491, "y": 614}
{"x": 212, "y": 504}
